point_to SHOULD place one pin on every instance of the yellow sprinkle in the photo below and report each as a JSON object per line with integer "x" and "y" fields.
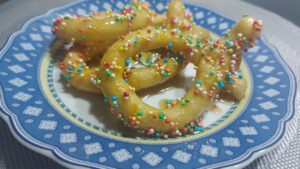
{"x": 133, "y": 118}
{"x": 157, "y": 73}
{"x": 86, "y": 67}
{"x": 150, "y": 112}
{"x": 73, "y": 39}
{"x": 121, "y": 48}
{"x": 68, "y": 85}
{"x": 97, "y": 69}
{"x": 139, "y": 31}
{"x": 244, "y": 38}
{"x": 98, "y": 81}
{"x": 212, "y": 61}
{"x": 222, "y": 45}
{"x": 176, "y": 64}
{"x": 139, "y": 117}
{"x": 218, "y": 78}
{"x": 230, "y": 50}
{"x": 238, "y": 47}
{"x": 195, "y": 67}
{"x": 126, "y": 48}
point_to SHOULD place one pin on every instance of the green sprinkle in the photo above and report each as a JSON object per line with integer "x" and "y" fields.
{"x": 67, "y": 17}
{"x": 211, "y": 48}
{"x": 245, "y": 15}
{"x": 190, "y": 42}
{"x": 84, "y": 37}
{"x": 117, "y": 18}
{"x": 139, "y": 130}
{"x": 202, "y": 54}
{"x": 140, "y": 112}
{"x": 161, "y": 116}
{"x": 212, "y": 73}
{"x": 108, "y": 73}
{"x": 226, "y": 34}
{"x": 198, "y": 45}
{"x": 187, "y": 100}
{"x": 156, "y": 26}
{"x": 181, "y": 36}
{"x": 183, "y": 103}
{"x": 188, "y": 127}
{"x": 68, "y": 77}
{"x": 240, "y": 76}
{"x": 149, "y": 65}
{"x": 215, "y": 84}
{"x": 132, "y": 17}
{"x": 122, "y": 118}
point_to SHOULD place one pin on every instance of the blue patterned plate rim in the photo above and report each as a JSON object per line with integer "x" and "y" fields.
{"x": 180, "y": 156}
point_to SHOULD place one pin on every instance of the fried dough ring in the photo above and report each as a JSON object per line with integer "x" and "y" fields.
{"x": 106, "y": 25}
{"x": 79, "y": 75}
{"x": 150, "y": 120}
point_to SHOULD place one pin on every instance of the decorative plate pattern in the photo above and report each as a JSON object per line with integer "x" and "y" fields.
{"x": 35, "y": 121}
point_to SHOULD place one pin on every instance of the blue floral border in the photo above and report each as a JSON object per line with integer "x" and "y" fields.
{"x": 37, "y": 123}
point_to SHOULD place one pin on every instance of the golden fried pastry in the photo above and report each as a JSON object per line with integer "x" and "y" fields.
{"x": 214, "y": 66}
{"x": 106, "y": 25}
{"x": 78, "y": 73}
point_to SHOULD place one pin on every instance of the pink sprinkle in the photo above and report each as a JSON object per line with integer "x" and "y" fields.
{"x": 119, "y": 116}
{"x": 258, "y": 28}
{"x": 151, "y": 131}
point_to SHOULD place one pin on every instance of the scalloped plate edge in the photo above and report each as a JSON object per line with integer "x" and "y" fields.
{"x": 54, "y": 153}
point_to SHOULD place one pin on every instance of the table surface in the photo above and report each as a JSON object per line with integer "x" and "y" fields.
{"x": 281, "y": 28}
